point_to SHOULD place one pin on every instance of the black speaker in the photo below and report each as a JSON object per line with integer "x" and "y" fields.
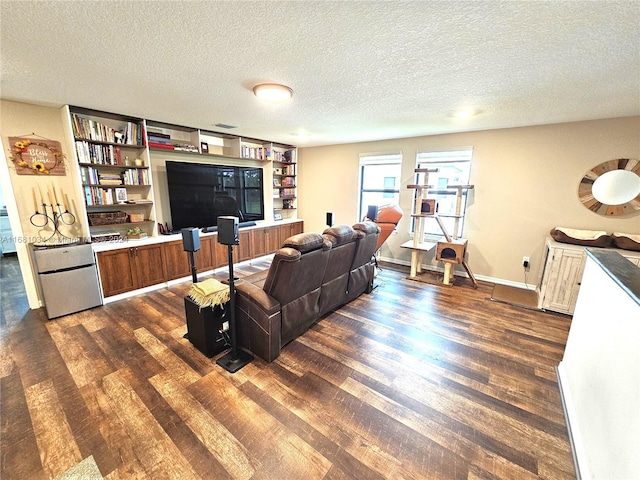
{"x": 228, "y": 231}
{"x": 205, "y": 327}
{"x": 190, "y": 239}
{"x": 372, "y": 212}
{"x": 330, "y": 219}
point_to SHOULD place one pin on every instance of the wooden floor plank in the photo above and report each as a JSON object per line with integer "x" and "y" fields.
{"x": 58, "y": 449}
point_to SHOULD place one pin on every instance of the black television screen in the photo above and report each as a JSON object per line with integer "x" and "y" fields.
{"x": 199, "y": 193}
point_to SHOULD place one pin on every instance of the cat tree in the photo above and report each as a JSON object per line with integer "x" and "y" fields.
{"x": 452, "y": 249}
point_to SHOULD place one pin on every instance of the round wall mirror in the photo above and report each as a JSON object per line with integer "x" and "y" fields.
{"x": 612, "y": 188}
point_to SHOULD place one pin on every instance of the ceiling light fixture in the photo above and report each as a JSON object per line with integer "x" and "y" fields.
{"x": 273, "y": 92}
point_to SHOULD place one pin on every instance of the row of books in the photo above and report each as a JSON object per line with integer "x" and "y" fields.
{"x": 158, "y": 138}
{"x": 129, "y": 133}
{"x": 288, "y": 181}
{"x": 136, "y": 176}
{"x": 258, "y": 153}
{"x": 95, "y": 196}
{"x": 287, "y": 192}
{"x": 98, "y": 154}
{"x": 287, "y": 157}
{"x": 266, "y": 153}
{"x": 92, "y": 176}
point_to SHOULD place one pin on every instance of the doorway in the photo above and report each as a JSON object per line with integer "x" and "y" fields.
{"x": 13, "y": 297}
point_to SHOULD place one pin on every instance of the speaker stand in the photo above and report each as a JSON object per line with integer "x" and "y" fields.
{"x": 236, "y": 358}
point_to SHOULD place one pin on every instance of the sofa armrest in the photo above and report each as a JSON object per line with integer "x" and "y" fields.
{"x": 258, "y": 321}
{"x": 261, "y": 299}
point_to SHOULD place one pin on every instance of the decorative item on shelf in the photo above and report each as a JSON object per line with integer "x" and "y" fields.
{"x": 204, "y": 146}
{"x": 276, "y": 182}
{"x": 136, "y": 233}
{"x": 106, "y": 218}
{"x": 136, "y": 217}
{"x": 121, "y": 195}
{"x": 60, "y": 215}
{"x": 287, "y": 204}
{"x": 41, "y": 156}
{"x": 139, "y": 162}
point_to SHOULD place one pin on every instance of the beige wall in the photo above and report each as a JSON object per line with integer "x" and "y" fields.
{"x": 526, "y": 182}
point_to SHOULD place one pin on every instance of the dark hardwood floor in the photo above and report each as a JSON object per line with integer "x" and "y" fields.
{"x": 412, "y": 381}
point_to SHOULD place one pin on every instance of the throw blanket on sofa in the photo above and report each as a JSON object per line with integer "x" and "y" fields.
{"x": 209, "y": 293}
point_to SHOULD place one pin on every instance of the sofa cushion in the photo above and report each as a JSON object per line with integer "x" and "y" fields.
{"x": 304, "y": 242}
{"x": 626, "y": 241}
{"x": 590, "y": 238}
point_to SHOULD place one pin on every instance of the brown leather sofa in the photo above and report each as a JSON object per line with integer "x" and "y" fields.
{"x": 310, "y": 276}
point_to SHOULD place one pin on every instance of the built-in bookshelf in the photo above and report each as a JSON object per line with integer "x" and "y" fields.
{"x": 114, "y": 155}
{"x": 284, "y": 181}
{"x": 112, "y": 161}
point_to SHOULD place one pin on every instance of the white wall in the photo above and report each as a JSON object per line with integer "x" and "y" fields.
{"x": 600, "y": 377}
{"x": 526, "y": 182}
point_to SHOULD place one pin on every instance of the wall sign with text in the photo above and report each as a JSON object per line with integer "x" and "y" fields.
{"x": 33, "y": 157}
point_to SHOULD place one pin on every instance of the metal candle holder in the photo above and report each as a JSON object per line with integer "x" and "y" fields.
{"x": 57, "y": 217}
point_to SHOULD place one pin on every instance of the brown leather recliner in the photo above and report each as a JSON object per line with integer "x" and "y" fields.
{"x": 307, "y": 279}
{"x": 388, "y": 218}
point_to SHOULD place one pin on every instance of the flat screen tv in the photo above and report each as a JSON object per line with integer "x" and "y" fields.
{"x": 199, "y": 193}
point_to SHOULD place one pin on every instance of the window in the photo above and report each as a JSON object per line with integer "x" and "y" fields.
{"x": 454, "y": 168}
{"x": 379, "y": 180}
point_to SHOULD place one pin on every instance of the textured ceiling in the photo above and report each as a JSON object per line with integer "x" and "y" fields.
{"x": 359, "y": 70}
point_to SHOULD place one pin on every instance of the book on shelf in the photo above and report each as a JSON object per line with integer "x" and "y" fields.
{"x": 160, "y": 145}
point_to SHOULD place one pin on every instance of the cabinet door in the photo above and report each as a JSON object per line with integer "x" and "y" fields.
{"x": 149, "y": 265}
{"x": 205, "y": 259}
{"x": 116, "y": 274}
{"x": 176, "y": 260}
{"x": 242, "y": 252}
{"x": 563, "y": 274}
{"x": 272, "y": 240}
{"x": 221, "y": 252}
{"x": 259, "y": 242}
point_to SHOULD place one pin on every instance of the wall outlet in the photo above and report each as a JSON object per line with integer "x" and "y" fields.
{"x": 525, "y": 262}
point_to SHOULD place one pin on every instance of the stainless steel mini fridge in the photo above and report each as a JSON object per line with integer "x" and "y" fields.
{"x": 68, "y": 278}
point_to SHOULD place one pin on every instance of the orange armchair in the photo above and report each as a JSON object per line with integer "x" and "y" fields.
{"x": 388, "y": 218}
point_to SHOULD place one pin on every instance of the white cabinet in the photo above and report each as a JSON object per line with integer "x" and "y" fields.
{"x": 562, "y": 275}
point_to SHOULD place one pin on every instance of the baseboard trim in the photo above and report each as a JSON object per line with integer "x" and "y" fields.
{"x": 484, "y": 278}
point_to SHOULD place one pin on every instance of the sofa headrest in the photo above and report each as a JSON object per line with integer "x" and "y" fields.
{"x": 305, "y": 242}
{"x": 338, "y": 235}
{"x": 367, "y": 227}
